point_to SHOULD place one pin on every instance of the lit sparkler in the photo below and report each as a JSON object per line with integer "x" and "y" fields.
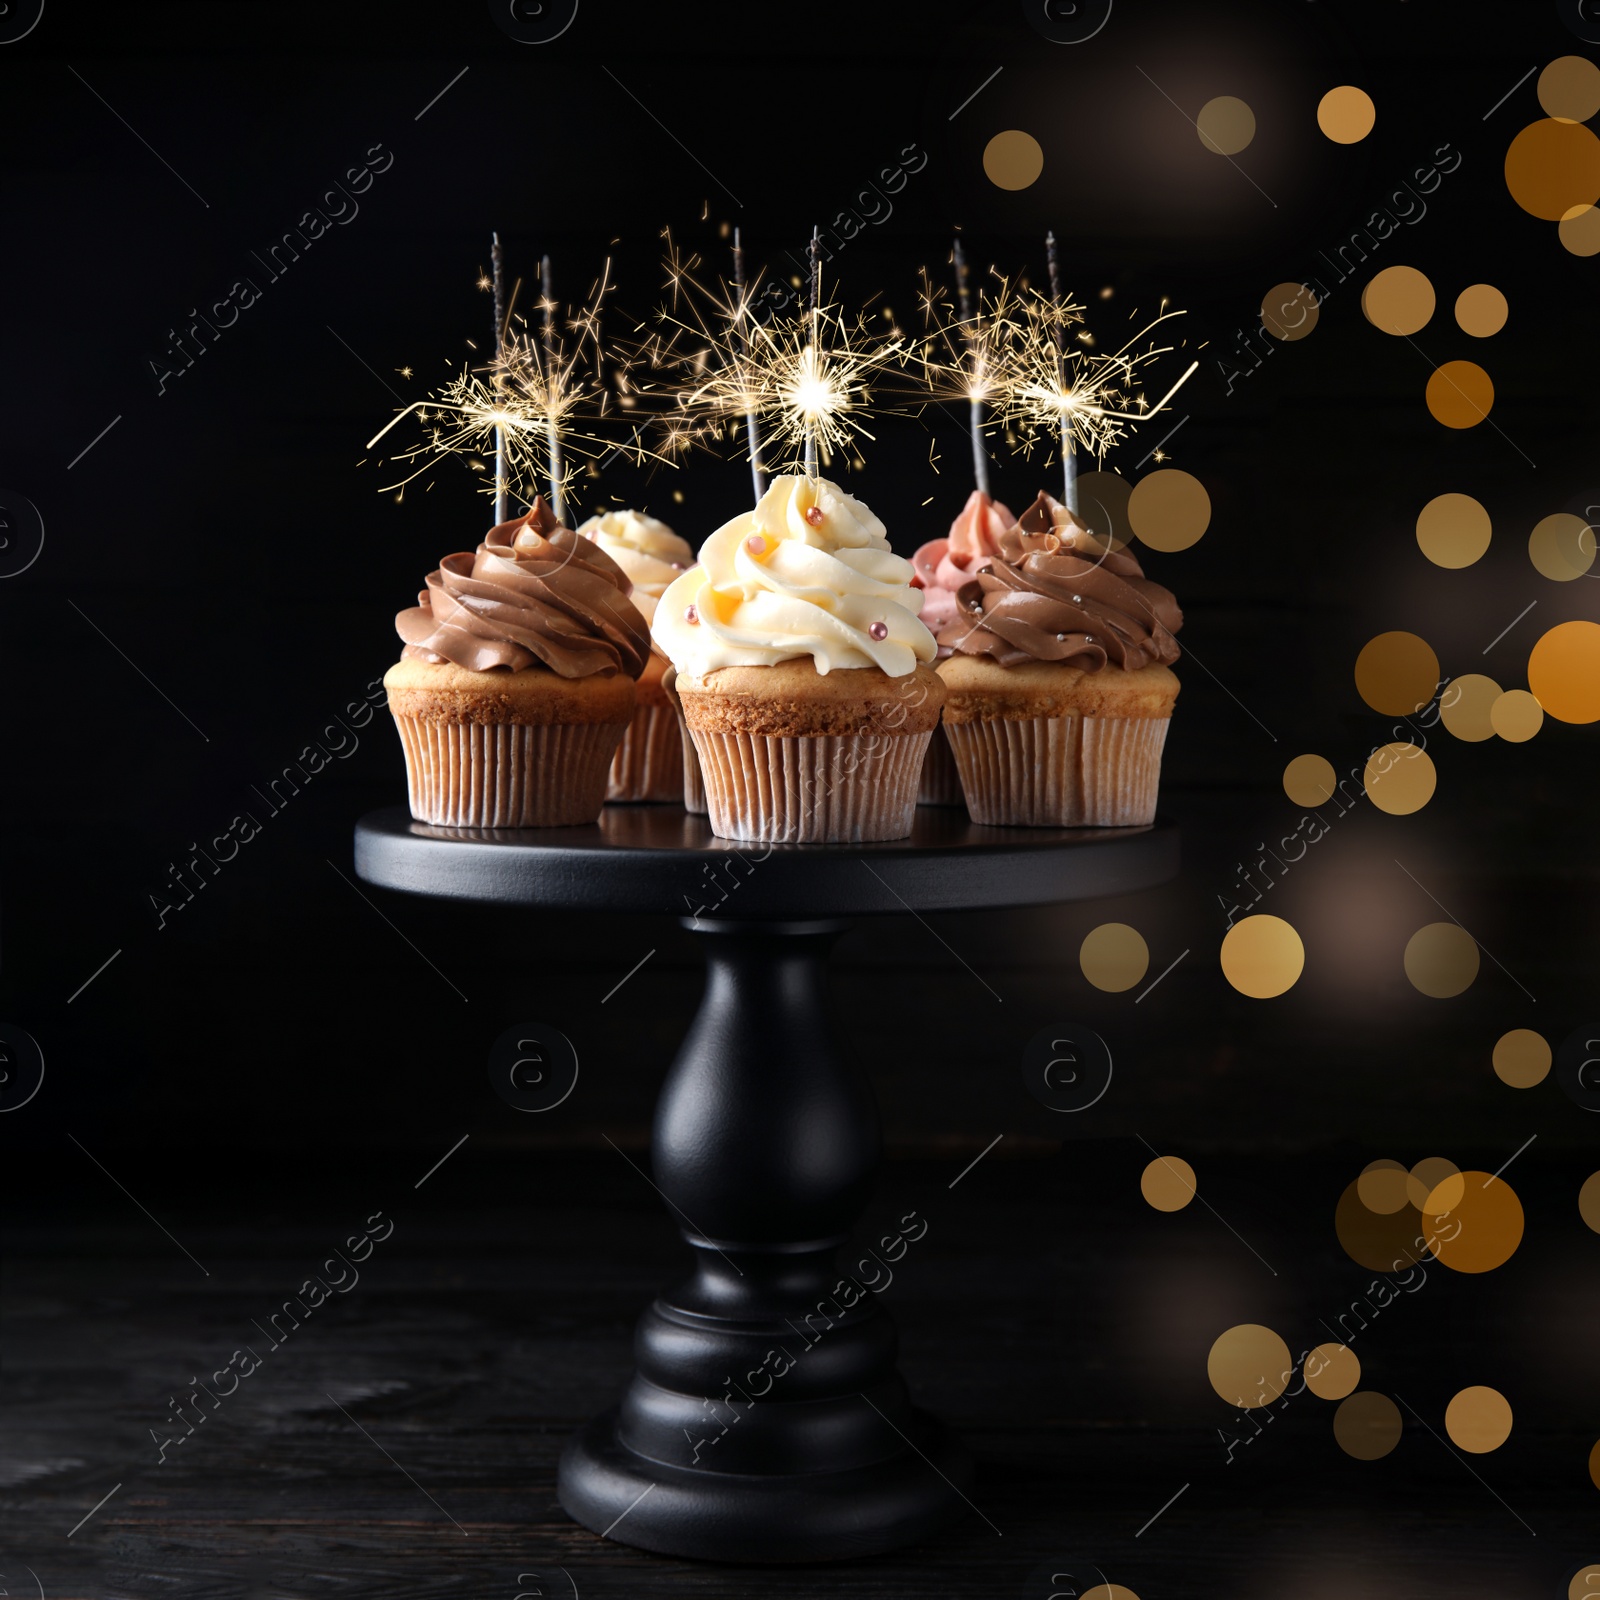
{"x": 543, "y": 401}
{"x": 800, "y": 384}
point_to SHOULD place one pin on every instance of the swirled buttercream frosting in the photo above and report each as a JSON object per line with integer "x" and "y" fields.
{"x": 1055, "y": 592}
{"x": 944, "y": 565}
{"x": 646, "y": 549}
{"x": 533, "y": 593}
{"x": 809, "y": 572}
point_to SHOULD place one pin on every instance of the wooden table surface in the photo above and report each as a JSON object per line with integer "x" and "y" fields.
{"x": 403, "y": 1440}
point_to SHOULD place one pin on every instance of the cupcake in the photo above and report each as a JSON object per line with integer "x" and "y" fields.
{"x": 1058, "y": 694}
{"x": 803, "y": 670}
{"x": 942, "y": 566}
{"x": 649, "y": 764}
{"x": 515, "y": 686}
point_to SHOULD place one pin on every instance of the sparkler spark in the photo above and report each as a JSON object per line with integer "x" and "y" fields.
{"x": 802, "y": 375}
{"x": 1033, "y": 365}
{"x": 555, "y": 382}
{"x": 1057, "y": 386}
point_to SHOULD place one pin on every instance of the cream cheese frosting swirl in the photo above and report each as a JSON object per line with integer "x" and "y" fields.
{"x": 645, "y": 548}
{"x": 944, "y": 565}
{"x": 809, "y": 572}
{"x": 533, "y": 593}
{"x": 1056, "y": 593}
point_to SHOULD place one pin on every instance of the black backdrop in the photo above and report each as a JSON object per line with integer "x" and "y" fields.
{"x": 220, "y": 571}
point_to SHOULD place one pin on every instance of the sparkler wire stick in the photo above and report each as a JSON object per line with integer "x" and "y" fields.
{"x": 980, "y": 456}
{"x": 815, "y": 254}
{"x": 553, "y": 434}
{"x": 498, "y": 264}
{"x": 1069, "y": 460}
{"x": 758, "y": 477}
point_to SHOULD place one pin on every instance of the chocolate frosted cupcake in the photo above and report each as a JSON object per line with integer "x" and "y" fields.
{"x": 649, "y": 764}
{"x": 1058, "y": 694}
{"x": 942, "y": 568}
{"x": 515, "y": 686}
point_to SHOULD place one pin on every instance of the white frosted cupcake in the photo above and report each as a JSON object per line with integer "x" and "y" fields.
{"x": 803, "y": 670}
{"x": 649, "y": 764}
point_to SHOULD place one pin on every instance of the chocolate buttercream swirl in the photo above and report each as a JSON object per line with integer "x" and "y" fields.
{"x": 1056, "y": 593}
{"x": 533, "y": 592}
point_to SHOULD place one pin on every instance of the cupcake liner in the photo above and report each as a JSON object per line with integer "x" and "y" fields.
{"x": 507, "y": 774}
{"x": 648, "y": 764}
{"x": 1061, "y": 772}
{"x": 941, "y": 780}
{"x": 821, "y": 789}
{"x": 694, "y": 783}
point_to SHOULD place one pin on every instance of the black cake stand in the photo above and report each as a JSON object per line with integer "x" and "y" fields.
{"x": 766, "y": 1420}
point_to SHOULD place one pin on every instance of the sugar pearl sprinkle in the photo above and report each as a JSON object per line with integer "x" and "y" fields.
{"x": 756, "y": 544}
{"x": 879, "y": 630}
{"x": 813, "y": 515}
{"x": 691, "y": 615}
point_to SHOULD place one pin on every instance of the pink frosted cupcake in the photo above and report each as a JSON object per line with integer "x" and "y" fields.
{"x": 941, "y": 567}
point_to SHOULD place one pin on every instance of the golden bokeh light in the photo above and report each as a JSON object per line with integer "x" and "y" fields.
{"x": 1367, "y": 1425}
{"x": 1310, "y": 780}
{"x": 1594, "y": 1465}
{"x": 1481, "y": 310}
{"x": 1460, "y": 394}
{"x": 1262, "y": 956}
{"x": 1561, "y": 547}
{"x": 1399, "y": 778}
{"x": 1427, "y": 1177}
{"x": 1168, "y": 1183}
{"x": 1397, "y": 673}
{"x": 1289, "y": 311}
{"x": 1399, "y": 300}
{"x": 1478, "y": 1420}
{"x": 1579, "y": 230}
{"x": 1473, "y": 1222}
{"x": 1441, "y": 960}
{"x": 1453, "y": 530}
{"x": 1109, "y": 1591}
{"x": 1332, "y": 1371}
{"x": 1226, "y": 125}
{"x": 1553, "y": 166}
{"x": 1465, "y": 704}
{"x": 1114, "y": 957}
{"x": 1103, "y": 506}
{"x": 1379, "y": 1241}
{"x": 1249, "y": 1365}
{"x": 1346, "y": 114}
{"x": 1589, "y": 1202}
{"x": 1013, "y": 159}
{"x": 1569, "y": 89}
{"x": 1585, "y": 1584}
{"x": 1382, "y": 1186}
{"x": 1564, "y": 672}
{"x": 1522, "y": 1058}
{"x": 1169, "y": 509}
{"x": 1516, "y": 716}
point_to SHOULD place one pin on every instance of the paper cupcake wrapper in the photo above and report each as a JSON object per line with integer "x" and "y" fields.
{"x": 941, "y": 781}
{"x": 694, "y": 784}
{"x": 648, "y": 764}
{"x": 507, "y": 774}
{"x": 826, "y": 789}
{"x": 1061, "y": 772}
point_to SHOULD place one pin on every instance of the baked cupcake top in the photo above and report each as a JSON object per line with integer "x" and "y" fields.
{"x": 809, "y": 572}
{"x": 533, "y": 594}
{"x": 944, "y": 565}
{"x": 646, "y": 549}
{"x": 1055, "y": 592}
